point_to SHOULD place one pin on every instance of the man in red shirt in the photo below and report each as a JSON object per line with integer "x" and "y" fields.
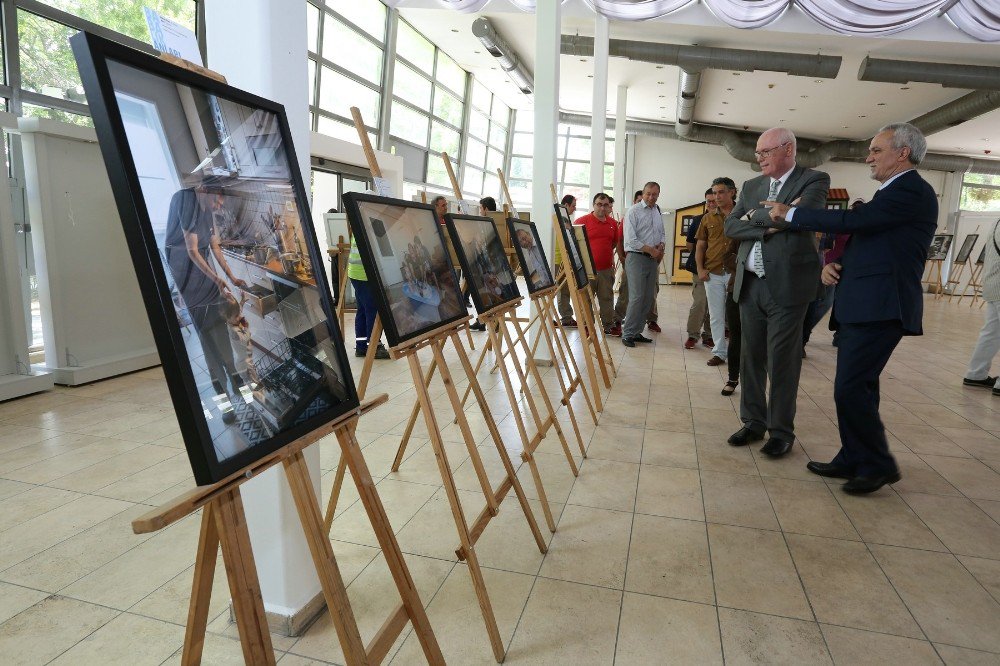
{"x": 602, "y": 232}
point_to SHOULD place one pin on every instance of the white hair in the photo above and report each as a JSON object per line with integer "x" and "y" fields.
{"x": 909, "y": 136}
{"x": 784, "y": 135}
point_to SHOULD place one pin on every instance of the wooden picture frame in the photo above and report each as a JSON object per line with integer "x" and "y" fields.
{"x": 259, "y": 362}
{"x": 484, "y": 263}
{"x": 530, "y": 255}
{"x": 407, "y": 258}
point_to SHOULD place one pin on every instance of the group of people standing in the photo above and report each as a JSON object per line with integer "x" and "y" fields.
{"x": 759, "y": 268}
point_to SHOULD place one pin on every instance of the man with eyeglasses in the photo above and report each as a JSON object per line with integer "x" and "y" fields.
{"x": 602, "y": 233}
{"x": 777, "y": 276}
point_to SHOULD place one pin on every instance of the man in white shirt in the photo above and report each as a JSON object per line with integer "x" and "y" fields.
{"x": 645, "y": 240}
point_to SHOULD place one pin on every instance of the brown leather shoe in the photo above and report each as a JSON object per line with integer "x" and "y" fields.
{"x": 690, "y": 343}
{"x": 715, "y": 360}
{"x": 654, "y": 327}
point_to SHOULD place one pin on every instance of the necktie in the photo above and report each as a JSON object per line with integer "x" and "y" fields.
{"x": 758, "y": 253}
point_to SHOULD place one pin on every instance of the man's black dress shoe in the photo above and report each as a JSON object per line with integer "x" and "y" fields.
{"x": 744, "y": 436}
{"x": 828, "y": 469}
{"x": 628, "y": 342}
{"x": 861, "y": 485}
{"x": 776, "y": 447}
{"x": 641, "y": 338}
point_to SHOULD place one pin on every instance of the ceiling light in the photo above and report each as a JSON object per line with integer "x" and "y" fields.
{"x": 721, "y": 114}
{"x": 791, "y": 109}
{"x": 590, "y": 76}
{"x": 454, "y": 30}
{"x": 736, "y": 73}
{"x": 803, "y": 96}
{"x": 730, "y": 89}
{"x": 817, "y": 80}
{"x": 862, "y": 116}
{"x": 845, "y": 126}
{"x": 881, "y": 104}
{"x": 905, "y": 88}
{"x": 659, "y": 83}
{"x": 583, "y": 60}
{"x": 725, "y": 102}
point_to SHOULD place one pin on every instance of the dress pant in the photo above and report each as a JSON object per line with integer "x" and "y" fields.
{"x": 642, "y": 273}
{"x": 735, "y": 335}
{"x": 364, "y": 318}
{"x": 817, "y": 310}
{"x": 213, "y": 334}
{"x": 987, "y": 346}
{"x": 772, "y": 348}
{"x": 863, "y": 352}
{"x": 715, "y": 293}
{"x": 565, "y": 302}
{"x": 621, "y": 307}
{"x": 698, "y": 314}
{"x": 604, "y": 288}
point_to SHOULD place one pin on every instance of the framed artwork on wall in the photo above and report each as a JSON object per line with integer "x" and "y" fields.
{"x": 530, "y": 254}
{"x": 408, "y": 260}
{"x": 216, "y": 218}
{"x": 572, "y": 248}
{"x": 484, "y": 262}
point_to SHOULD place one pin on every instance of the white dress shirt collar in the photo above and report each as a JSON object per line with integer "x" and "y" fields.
{"x": 784, "y": 177}
{"x": 889, "y": 182}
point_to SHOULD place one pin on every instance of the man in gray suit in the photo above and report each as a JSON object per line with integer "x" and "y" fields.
{"x": 777, "y": 276}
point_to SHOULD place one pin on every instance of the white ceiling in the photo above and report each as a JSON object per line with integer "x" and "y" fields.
{"x": 815, "y": 108}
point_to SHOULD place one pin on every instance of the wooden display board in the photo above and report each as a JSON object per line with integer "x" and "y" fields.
{"x": 682, "y": 222}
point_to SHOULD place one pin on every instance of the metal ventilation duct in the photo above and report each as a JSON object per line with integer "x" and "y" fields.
{"x": 741, "y": 145}
{"x": 505, "y": 55}
{"x": 974, "y": 77}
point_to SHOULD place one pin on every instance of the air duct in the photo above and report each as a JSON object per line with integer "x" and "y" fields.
{"x": 687, "y": 94}
{"x": 505, "y": 55}
{"x": 741, "y": 145}
{"x": 700, "y": 58}
{"x": 973, "y": 77}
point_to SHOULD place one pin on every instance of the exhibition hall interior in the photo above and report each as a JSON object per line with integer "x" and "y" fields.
{"x": 500, "y": 331}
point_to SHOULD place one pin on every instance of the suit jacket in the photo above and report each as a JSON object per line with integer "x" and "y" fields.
{"x": 791, "y": 262}
{"x": 884, "y": 260}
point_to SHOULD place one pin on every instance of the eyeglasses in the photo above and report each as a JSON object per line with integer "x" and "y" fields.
{"x": 764, "y": 154}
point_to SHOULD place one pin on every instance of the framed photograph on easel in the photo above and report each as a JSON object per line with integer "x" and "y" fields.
{"x": 940, "y": 245}
{"x": 528, "y": 245}
{"x": 483, "y": 261}
{"x": 571, "y": 245}
{"x": 406, "y": 255}
{"x": 965, "y": 251}
{"x": 216, "y": 218}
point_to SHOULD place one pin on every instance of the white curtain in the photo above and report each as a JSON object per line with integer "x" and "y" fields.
{"x": 979, "y": 19}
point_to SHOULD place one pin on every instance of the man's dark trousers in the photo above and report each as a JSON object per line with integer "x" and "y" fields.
{"x": 863, "y": 351}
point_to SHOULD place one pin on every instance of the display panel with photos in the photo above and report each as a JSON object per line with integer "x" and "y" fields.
{"x": 965, "y": 251}
{"x": 530, "y": 254}
{"x": 573, "y": 250}
{"x": 217, "y": 221}
{"x": 940, "y": 245}
{"x": 484, "y": 261}
{"x": 405, "y": 255}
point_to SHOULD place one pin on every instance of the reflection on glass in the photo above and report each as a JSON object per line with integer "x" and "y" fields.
{"x": 530, "y": 254}
{"x": 486, "y": 264}
{"x": 216, "y": 183}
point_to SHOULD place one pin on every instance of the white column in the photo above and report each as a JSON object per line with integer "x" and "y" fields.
{"x": 599, "y": 116}
{"x": 260, "y": 46}
{"x": 548, "y": 17}
{"x": 622, "y": 195}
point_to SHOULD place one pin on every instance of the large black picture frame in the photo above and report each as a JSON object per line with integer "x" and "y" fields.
{"x": 571, "y": 245}
{"x": 95, "y": 58}
{"x": 966, "y": 249}
{"x": 440, "y": 251}
{"x": 490, "y": 265}
{"x": 533, "y": 258}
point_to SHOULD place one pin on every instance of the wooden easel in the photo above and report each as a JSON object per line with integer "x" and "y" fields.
{"x": 468, "y": 534}
{"x": 223, "y": 524}
{"x": 933, "y": 280}
{"x": 583, "y": 304}
{"x": 973, "y": 285}
{"x": 954, "y": 279}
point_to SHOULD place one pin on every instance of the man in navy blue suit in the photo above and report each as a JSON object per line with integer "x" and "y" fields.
{"x": 879, "y": 297}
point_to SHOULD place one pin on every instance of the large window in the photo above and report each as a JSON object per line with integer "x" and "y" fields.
{"x": 489, "y": 124}
{"x": 427, "y": 113}
{"x": 980, "y": 192}
{"x": 346, "y": 59}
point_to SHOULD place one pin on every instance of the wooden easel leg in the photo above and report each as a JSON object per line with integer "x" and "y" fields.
{"x": 602, "y": 337}
{"x": 533, "y": 369}
{"x": 566, "y": 351}
{"x": 463, "y": 424}
{"x": 567, "y": 391}
{"x": 479, "y": 363}
{"x": 411, "y": 422}
{"x": 590, "y": 339}
{"x": 244, "y": 586}
{"x": 484, "y": 407}
{"x": 201, "y": 588}
{"x": 521, "y": 430}
{"x": 414, "y": 608}
{"x": 334, "y": 590}
{"x": 338, "y": 484}
{"x": 456, "y": 509}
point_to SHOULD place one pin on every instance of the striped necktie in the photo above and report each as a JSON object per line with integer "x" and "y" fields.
{"x": 758, "y": 253}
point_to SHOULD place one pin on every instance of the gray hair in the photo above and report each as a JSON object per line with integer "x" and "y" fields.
{"x": 905, "y": 135}
{"x": 785, "y": 135}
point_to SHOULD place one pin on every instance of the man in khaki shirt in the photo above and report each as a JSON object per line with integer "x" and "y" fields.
{"x": 709, "y": 255}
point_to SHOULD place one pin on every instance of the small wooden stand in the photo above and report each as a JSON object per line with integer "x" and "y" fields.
{"x": 933, "y": 280}
{"x": 973, "y": 285}
{"x": 955, "y": 279}
{"x": 223, "y": 524}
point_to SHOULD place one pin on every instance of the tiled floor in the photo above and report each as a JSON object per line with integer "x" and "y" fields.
{"x": 671, "y": 546}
